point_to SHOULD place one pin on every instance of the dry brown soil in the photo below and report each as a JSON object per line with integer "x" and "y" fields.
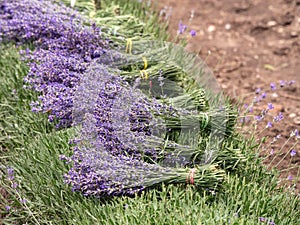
{"x": 250, "y": 44}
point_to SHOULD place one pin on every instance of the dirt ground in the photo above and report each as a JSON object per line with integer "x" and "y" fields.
{"x": 250, "y": 44}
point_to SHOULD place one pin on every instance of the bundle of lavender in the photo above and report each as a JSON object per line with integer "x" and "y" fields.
{"x": 126, "y": 140}
{"x": 64, "y": 48}
{"x": 98, "y": 173}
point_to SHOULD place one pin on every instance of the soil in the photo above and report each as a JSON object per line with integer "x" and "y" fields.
{"x": 250, "y": 44}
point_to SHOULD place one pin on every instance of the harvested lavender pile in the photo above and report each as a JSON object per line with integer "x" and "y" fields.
{"x": 123, "y": 147}
{"x": 139, "y": 125}
{"x": 129, "y": 141}
{"x": 64, "y": 47}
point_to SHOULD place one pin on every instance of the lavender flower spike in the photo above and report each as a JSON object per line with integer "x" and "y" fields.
{"x": 293, "y": 152}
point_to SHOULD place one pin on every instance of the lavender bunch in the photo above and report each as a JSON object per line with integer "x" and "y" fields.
{"x": 65, "y": 46}
{"x": 35, "y": 20}
{"x": 96, "y": 172}
{"x": 125, "y": 143}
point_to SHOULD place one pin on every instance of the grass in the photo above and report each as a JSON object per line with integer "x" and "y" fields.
{"x": 31, "y": 146}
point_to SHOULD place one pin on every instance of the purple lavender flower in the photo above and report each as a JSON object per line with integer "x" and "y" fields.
{"x": 14, "y": 185}
{"x": 24, "y": 201}
{"x": 181, "y": 27}
{"x": 258, "y": 90}
{"x": 279, "y": 117}
{"x": 259, "y": 118}
{"x": 10, "y": 173}
{"x": 276, "y": 138}
{"x": 269, "y": 125}
{"x": 293, "y": 152}
{"x": 263, "y": 95}
{"x": 290, "y": 177}
{"x": 282, "y": 83}
{"x": 193, "y": 33}
{"x": 270, "y": 106}
{"x": 7, "y": 208}
{"x": 263, "y": 219}
{"x": 273, "y": 86}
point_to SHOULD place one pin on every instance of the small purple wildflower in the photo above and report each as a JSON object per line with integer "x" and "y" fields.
{"x": 293, "y": 152}
{"x": 10, "y": 173}
{"x": 23, "y": 200}
{"x": 265, "y": 220}
{"x": 295, "y": 133}
{"x": 258, "y": 90}
{"x": 279, "y": 117}
{"x": 290, "y": 177}
{"x": 259, "y": 118}
{"x": 262, "y": 219}
{"x": 269, "y": 125}
{"x": 181, "y": 27}
{"x": 273, "y": 86}
{"x": 7, "y": 208}
{"x": 276, "y": 138}
{"x": 270, "y": 106}
{"x": 263, "y": 95}
{"x": 264, "y": 112}
{"x": 193, "y": 33}
{"x": 282, "y": 83}
{"x": 272, "y": 151}
{"x": 14, "y": 185}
